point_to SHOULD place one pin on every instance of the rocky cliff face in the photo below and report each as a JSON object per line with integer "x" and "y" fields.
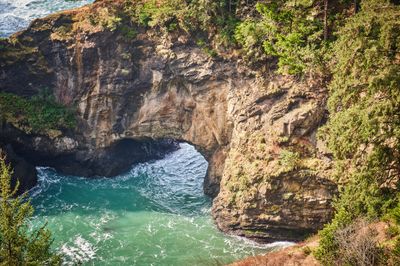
{"x": 265, "y": 166}
{"x": 275, "y": 184}
{"x": 23, "y": 172}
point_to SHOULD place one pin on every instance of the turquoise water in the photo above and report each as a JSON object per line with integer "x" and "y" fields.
{"x": 156, "y": 214}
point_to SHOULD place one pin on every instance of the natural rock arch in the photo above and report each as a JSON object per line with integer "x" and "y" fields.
{"x": 165, "y": 87}
{"x": 159, "y": 93}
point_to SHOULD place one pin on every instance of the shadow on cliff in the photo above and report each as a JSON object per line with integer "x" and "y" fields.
{"x": 108, "y": 162}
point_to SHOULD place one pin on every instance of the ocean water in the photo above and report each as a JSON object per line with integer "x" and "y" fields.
{"x": 155, "y": 214}
{"x": 16, "y": 15}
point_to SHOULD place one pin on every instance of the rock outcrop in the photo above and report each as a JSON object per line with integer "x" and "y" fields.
{"x": 275, "y": 184}
{"x": 258, "y": 134}
{"x": 23, "y": 172}
{"x": 299, "y": 255}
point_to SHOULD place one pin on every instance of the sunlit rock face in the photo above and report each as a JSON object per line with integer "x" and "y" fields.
{"x": 258, "y": 135}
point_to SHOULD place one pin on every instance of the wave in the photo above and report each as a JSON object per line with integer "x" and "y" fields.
{"x": 16, "y": 15}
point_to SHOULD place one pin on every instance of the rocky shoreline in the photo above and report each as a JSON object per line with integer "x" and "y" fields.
{"x": 267, "y": 171}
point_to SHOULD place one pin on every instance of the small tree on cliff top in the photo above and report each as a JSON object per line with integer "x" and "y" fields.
{"x": 19, "y": 245}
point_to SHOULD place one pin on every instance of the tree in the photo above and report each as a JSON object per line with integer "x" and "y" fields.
{"x": 363, "y": 131}
{"x": 290, "y": 31}
{"x": 326, "y": 6}
{"x": 18, "y": 244}
{"x": 356, "y": 6}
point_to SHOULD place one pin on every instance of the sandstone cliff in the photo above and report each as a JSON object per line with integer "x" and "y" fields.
{"x": 267, "y": 171}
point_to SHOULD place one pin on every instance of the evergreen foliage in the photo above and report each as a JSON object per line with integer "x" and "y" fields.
{"x": 191, "y": 15}
{"x": 289, "y": 30}
{"x": 289, "y": 160}
{"x": 18, "y": 244}
{"x": 38, "y": 114}
{"x": 154, "y": 13}
{"x": 363, "y": 131}
{"x": 355, "y": 44}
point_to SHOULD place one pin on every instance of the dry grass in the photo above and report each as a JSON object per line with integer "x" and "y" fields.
{"x": 298, "y": 255}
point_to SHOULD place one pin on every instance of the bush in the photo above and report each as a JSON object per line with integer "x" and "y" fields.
{"x": 358, "y": 245}
{"x": 363, "y": 130}
{"x": 349, "y": 243}
{"x": 289, "y": 32}
{"x": 250, "y": 34}
{"x": 328, "y": 249}
{"x": 38, "y": 114}
{"x": 289, "y": 160}
{"x": 165, "y": 14}
{"x": 18, "y": 244}
{"x": 108, "y": 19}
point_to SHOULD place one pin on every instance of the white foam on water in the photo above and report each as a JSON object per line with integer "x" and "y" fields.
{"x": 154, "y": 214}
{"x": 79, "y": 251}
{"x": 16, "y": 15}
{"x": 89, "y": 234}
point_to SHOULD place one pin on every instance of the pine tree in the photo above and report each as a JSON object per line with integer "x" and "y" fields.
{"x": 363, "y": 131}
{"x": 18, "y": 244}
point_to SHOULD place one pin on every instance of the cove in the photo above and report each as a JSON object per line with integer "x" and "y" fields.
{"x": 155, "y": 214}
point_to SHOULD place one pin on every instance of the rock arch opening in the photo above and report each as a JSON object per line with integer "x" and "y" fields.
{"x": 117, "y": 158}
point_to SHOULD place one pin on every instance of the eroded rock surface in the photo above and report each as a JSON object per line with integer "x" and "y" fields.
{"x": 258, "y": 135}
{"x": 23, "y": 173}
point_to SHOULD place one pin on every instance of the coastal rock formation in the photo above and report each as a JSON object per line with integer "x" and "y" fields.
{"x": 266, "y": 172}
{"x": 23, "y": 172}
{"x": 275, "y": 185}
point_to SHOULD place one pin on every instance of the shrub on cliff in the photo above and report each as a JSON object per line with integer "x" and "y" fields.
{"x": 154, "y": 13}
{"x": 36, "y": 115}
{"x": 291, "y": 31}
{"x": 194, "y": 15}
{"x": 18, "y": 244}
{"x": 363, "y": 130}
{"x": 356, "y": 244}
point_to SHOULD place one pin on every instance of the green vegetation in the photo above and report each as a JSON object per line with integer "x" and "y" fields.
{"x": 107, "y": 19}
{"x": 363, "y": 131}
{"x": 18, "y": 244}
{"x": 203, "y": 45}
{"x": 128, "y": 32}
{"x": 289, "y": 160}
{"x": 292, "y": 33}
{"x": 287, "y": 30}
{"x": 354, "y": 46}
{"x": 158, "y": 13}
{"x": 36, "y": 115}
